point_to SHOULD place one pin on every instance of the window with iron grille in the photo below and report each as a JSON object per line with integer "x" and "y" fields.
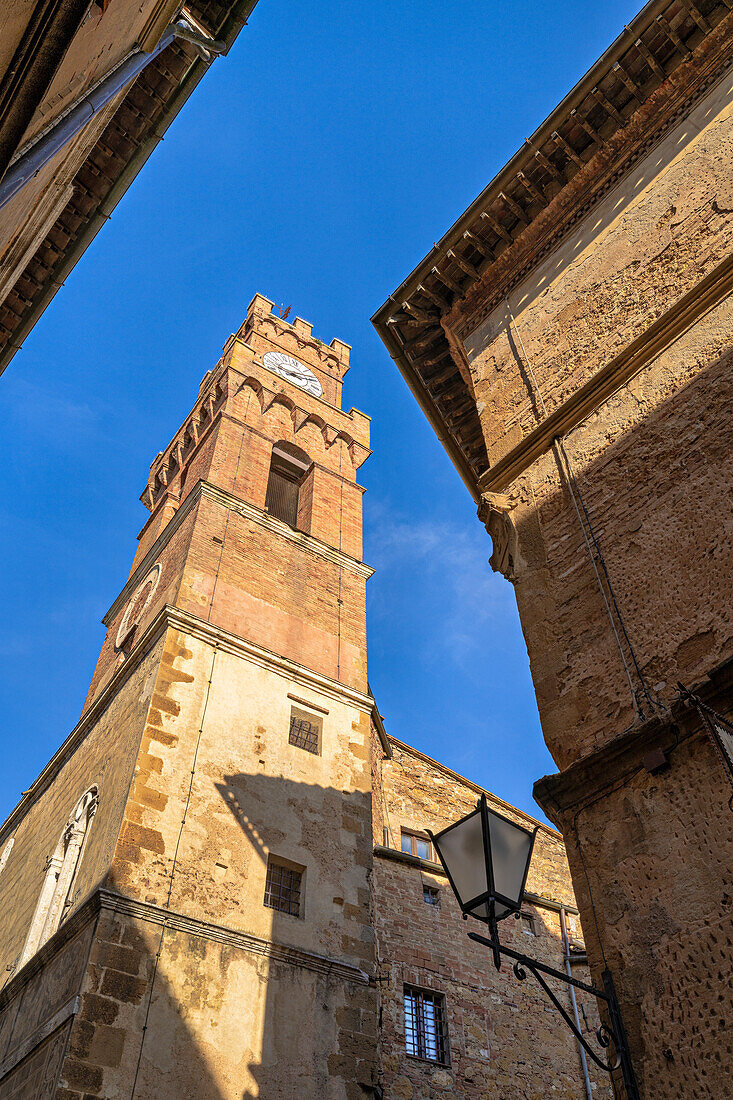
{"x": 283, "y": 887}
{"x": 416, "y": 844}
{"x": 426, "y": 1035}
{"x": 305, "y": 731}
{"x": 431, "y": 895}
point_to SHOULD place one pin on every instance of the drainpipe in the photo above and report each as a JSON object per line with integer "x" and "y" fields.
{"x": 71, "y": 121}
{"x": 569, "y": 971}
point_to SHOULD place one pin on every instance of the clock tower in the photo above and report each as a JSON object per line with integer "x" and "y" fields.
{"x": 218, "y": 929}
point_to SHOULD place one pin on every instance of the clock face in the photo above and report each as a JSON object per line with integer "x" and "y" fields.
{"x": 292, "y": 371}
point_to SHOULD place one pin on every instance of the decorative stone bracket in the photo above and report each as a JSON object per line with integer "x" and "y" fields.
{"x": 494, "y": 511}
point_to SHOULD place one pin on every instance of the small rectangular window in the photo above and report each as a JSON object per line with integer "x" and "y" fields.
{"x": 417, "y": 844}
{"x": 305, "y": 731}
{"x": 526, "y": 922}
{"x": 283, "y": 886}
{"x": 426, "y": 1035}
{"x": 431, "y": 895}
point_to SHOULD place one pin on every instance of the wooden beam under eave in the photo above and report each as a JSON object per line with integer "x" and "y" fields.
{"x": 532, "y": 189}
{"x": 437, "y": 299}
{"x": 497, "y": 227}
{"x": 590, "y": 130}
{"x": 515, "y": 208}
{"x": 481, "y": 246}
{"x": 567, "y": 148}
{"x": 674, "y": 37}
{"x": 608, "y": 107}
{"x": 650, "y": 59}
{"x": 448, "y": 281}
{"x": 466, "y": 267}
{"x": 630, "y": 83}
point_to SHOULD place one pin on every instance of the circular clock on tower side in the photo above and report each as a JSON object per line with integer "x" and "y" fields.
{"x": 292, "y": 371}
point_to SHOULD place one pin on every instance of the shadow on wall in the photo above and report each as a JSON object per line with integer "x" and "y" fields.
{"x": 225, "y": 1015}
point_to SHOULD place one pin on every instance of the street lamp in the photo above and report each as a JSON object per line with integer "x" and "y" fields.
{"x": 486, "y": 857}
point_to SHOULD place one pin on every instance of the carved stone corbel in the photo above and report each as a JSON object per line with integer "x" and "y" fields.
{"x": 494, "y": 511}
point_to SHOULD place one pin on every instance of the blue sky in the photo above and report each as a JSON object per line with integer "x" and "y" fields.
{"x": 317, "y": 163}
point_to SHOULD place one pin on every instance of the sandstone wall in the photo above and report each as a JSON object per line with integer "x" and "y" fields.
{"x": 505, "y": 1038}
{"x": 649, "y": 461}
{"x": 36, "y": 827}
{"x": 225, "y": 1020}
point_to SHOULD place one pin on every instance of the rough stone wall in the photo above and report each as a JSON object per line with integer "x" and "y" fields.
{"x": 653, "y": 462}
{"x": 663, "y": 227}
{"x": 37, "y": 827}
{"x": 649, "y": 464}
{"x": 252, "y": 793}
{"x": 656, "y": 874}
{"x": 648, "y": 460}
{"x": 505, "y": 1038}
{"x": 36, "y": 1013}
{"x": 224, "y": 1022}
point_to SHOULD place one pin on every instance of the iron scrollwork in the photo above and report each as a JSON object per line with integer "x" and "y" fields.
{"x": 606, "y": 1035}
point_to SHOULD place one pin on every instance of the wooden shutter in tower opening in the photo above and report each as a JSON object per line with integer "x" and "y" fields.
{"x": 282, "y": 496}
{"x": 288, "y": 468}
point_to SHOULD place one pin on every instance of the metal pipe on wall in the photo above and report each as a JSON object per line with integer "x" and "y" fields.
{"x": 573, "y": 1001}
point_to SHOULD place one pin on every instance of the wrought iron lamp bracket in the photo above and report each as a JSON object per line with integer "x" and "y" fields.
{"x": 605, "y": 1035}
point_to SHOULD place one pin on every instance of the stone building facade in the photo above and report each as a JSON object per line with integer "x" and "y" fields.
{"x": 205, "y": 892}
{"x": 570, "y": 340}
{"x": 56, "y": 59}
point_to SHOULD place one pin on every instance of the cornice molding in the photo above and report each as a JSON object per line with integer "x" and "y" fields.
{"x": 202, "y": 488}
{"x": 709, "y": 293}
{"x": 275, "y": 662}
{"x": 430, "y": 868}
{"x": 178, "y": 619}
{"x": 604, "y": 769}
{"x": 245, "y": 941}
{"x": 104, "y": 899}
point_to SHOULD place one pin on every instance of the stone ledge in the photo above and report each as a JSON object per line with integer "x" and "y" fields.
{"x": 193, "y": 926}
{"x": 590, "y": 777}
{"x": 427, "y": 865}
{"x": 661, "y": 334}
{"x": 180, "y": 620}
{"x": 205, "y": 489}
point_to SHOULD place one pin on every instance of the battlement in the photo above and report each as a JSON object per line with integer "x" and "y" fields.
{"x": 261, "y": 308}
{"x": 263, "y": 330}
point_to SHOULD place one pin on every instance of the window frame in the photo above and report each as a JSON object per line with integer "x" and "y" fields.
{"x": 414, "y": 836}
{"x": 525, "y": 919}
{"x": 419, "y": 997}
{"x": 433, "y": 892}
{"x": 274, "y": 861}
{"x": 289, "y": 466}
{"x": 316, "y": 720}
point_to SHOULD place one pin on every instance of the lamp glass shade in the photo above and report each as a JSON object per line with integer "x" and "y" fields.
{"x": 511, "y": 850}
{"x": 462, "y": 850}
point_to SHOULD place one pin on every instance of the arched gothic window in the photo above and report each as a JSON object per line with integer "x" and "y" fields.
{"x": 289, "y": 486}
{"x": 57, "y": 892}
